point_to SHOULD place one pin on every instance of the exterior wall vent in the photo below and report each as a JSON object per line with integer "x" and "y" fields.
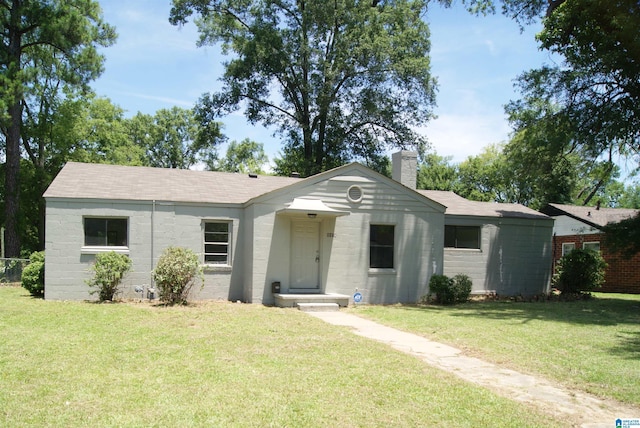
{"x": 355, "y": 194}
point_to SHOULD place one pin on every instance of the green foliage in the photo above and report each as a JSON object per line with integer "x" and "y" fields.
{"x": 175, "y": 138}
{"x": 340, "y": 81}
{"x": 462, "y": 285}
{"x": 436, "y": 173}
{"x": 175, "y": 274}
{"x": 581, "y": 270}
{"x": 442, "y": 287}
{"x": 595, "y": 88}
{"x": 245, "y": 156}
{"x": 49, "y": 53}
{"x": 108, "y": 271}
{"x": 33, "y": 274}
{"x": 449, "y": 291}
{"x": 624, "y": 236}
{"x": 630, "y": 197}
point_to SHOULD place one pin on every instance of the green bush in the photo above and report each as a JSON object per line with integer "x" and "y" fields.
{"x": 461, "y": 288}
{"x": 449, "y": 290}
{"x": 33, "y": 274}
{"x": 442, "y": 287}
{"x": 175, "y": 274}
{"x": 582, "y": 270}
{"x": 108, "y": 271}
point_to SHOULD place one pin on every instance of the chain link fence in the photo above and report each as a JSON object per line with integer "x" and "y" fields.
{"x": 11, "y": 269}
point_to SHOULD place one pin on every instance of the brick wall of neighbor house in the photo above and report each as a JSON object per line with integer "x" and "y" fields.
{"x": 622, "y": 275}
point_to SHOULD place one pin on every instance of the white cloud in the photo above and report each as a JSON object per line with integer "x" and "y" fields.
{"x": 461, "y": 135}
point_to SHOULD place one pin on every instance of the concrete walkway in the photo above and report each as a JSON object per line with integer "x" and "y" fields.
{"x": 580, "y": 409}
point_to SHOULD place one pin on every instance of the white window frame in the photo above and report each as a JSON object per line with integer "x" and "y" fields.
{"x": 97, "y": 248}
{"x": 228, "y": 242}
{"x": 568, "y": 247}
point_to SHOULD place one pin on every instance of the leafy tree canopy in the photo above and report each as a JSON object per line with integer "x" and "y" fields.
{"x": 341, "y": 81}
{"x": 245, "y": 157}
{"x": 595, "y": 91}
{"x": 46, "y": 46}
{"x": 175, "y": 138}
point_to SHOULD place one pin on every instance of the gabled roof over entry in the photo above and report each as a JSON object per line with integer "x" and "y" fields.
{"x": 359, "y": 175}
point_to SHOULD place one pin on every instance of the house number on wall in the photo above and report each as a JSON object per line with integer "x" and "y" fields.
{"x": 331, "y": 235}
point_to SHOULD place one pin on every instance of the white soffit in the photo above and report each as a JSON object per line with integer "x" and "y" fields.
{"x": 311, "y": 208}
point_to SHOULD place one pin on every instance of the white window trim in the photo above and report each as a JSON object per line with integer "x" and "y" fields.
{"x": 87, "y": 249}
{"x": 219, "y": 267}
{"x": 571, "y": 245}
{"x": 95, "y": 249}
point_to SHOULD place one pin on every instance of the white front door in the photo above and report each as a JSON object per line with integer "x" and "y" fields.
{"x": 305, "y": 255}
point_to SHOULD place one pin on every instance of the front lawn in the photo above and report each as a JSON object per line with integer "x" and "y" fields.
{"x": 219, "y": 364}
{"x": 592, "y": 345}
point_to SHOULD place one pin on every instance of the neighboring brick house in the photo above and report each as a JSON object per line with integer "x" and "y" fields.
{"x": 581, "y": 227}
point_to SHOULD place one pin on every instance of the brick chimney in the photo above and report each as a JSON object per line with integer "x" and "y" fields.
{"x": 404, "y": 166}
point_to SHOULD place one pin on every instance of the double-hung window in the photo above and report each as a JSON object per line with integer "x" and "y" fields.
{"x": 217, "y": 242}
{"x": 106, "y": 232}
{"x": 381, "y": 246}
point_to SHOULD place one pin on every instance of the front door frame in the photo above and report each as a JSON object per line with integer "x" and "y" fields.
{"x": 314, "y": 265}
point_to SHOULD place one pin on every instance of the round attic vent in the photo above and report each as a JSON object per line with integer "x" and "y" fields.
{"x": 355, "y": 194}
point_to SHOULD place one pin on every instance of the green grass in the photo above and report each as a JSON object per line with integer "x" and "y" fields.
{"x": 219, "y": 364}
{"x": 591, "y": 345}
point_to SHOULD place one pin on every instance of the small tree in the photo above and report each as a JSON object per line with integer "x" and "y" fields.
{"x": 579, "y": 271}
{"x": 175, "y": 274}
{"x": 33, "y": 274}
{"x": 108, "y": 271}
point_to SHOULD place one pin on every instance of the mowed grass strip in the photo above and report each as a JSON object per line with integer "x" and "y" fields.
{"x": 593, "y": 345}
{"x": 219, "y": 364}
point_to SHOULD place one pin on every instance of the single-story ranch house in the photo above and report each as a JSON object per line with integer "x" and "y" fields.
{"x": 581, "y": 227}
{"x": 262, "y": 238}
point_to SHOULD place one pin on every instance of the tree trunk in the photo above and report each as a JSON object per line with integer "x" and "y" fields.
{"x": 12, "y": 170}
{"x": 12, "y": 182}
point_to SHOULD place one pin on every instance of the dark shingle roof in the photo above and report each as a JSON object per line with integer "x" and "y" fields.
{"x": 591, "y": 215}
{"x": 98, "y": 181}
{"x": 457, "y": 205}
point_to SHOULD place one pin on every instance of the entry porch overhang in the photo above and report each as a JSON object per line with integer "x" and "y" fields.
{"x": 310, "y": 208}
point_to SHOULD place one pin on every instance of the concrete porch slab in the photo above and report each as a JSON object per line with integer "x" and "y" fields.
{"x": 318, "y": 307}
{"x": 284, "y": 300}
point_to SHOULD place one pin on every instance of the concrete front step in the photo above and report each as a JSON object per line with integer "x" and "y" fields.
{"x": 318, "y": 307}
{"x": 285, "y": 300}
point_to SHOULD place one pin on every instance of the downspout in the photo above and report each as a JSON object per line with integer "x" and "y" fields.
{"x": 153, "y": 214}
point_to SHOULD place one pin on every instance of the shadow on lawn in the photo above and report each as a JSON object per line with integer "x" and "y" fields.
{"x": 629, "y": 345}
{"x": 601, "y": 311}
{"x": 595, "y": 311}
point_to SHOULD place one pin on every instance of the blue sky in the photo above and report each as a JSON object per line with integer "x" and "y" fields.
{"x": 155, "y": 65}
